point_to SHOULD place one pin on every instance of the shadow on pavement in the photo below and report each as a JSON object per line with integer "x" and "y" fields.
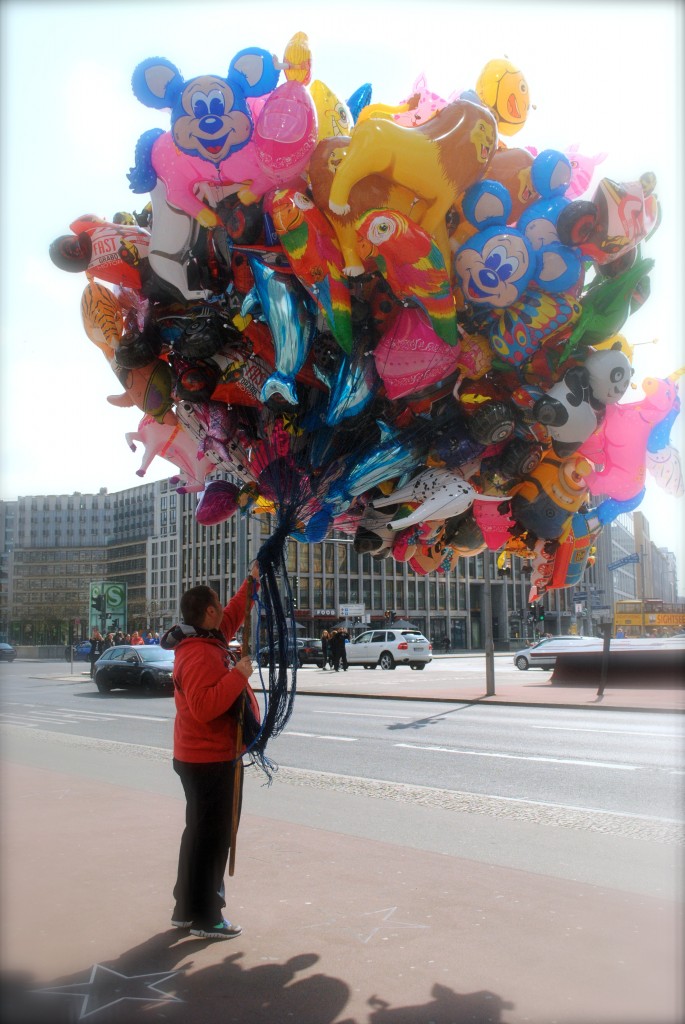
{"x": 160, "y": 980}
{"x": 421, "y": 723}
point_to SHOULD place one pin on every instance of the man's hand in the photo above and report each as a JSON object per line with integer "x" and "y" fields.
{"x": 254, "y": 571}
{"x": 245, "y": 666}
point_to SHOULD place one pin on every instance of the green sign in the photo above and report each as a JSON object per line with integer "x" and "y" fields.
{"x": 107, "y": 607}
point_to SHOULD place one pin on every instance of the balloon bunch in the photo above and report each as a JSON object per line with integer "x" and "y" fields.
{"x": 379, "y": 318}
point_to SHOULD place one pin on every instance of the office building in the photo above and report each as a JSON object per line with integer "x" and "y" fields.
{"x": 147, "y": 536}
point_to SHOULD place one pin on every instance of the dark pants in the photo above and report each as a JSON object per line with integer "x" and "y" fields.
{"x": 206, "y": 840}
{"x": 339, "y": 656}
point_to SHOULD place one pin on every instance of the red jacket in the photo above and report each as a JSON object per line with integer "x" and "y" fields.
{"x": 206, "y": 687}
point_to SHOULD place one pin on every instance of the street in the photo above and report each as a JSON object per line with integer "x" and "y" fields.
{"x": 625, "y": 763}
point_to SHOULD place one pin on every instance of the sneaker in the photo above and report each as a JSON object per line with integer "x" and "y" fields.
{"x": 180, "y": 924}
{"x": 224, "y": 930}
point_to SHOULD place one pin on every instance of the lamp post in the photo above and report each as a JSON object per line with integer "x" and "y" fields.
{"x": 487, "y": 626}
{"x": 641, "y": 562}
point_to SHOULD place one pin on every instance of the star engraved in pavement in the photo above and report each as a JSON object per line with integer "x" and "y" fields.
{"x": 106, "y": 987}
{"x": 362, "y": 934}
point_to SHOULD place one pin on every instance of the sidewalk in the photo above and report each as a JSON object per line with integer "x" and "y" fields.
{"x": 532, "y": 687}
{"x": 339, "y": 928}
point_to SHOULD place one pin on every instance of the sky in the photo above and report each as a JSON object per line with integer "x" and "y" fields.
{"x": 606, "y": 76}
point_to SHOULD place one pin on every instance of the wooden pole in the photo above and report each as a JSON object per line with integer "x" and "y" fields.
{"x": 238, "y": 766}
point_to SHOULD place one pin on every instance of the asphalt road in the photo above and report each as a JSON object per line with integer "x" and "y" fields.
{"x": 624, "y": 764}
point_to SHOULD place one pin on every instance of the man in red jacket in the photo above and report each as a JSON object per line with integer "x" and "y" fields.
{"x": 208, "y": 687}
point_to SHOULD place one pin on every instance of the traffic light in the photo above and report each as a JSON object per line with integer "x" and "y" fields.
{"x": 541, "y": 614}
{"x": 99, "y": 602}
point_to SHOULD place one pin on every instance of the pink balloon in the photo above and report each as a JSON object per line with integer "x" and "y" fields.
{"x": 619, "y": 445}
{"x": 218, "y": 502}
{"x": 495, "y": 521}
{"x": 285, "y": 134}
{"x": 410, "y": 356}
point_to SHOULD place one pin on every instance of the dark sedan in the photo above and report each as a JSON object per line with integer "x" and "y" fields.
{"x": 7, "y": 652}
{"x": 310, "y": 651}
{"x": 145, "y": 668}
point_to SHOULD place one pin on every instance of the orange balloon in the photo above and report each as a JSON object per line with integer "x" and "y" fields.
{"x": 504, "y": 90}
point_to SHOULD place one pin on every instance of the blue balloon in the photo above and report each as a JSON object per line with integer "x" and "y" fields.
{"x": 660, "y": 435}
{"x": 611, "y": 508}
{"x": 318, "y": 526}
{"x": 389, "y": 459}
{"x": 292, "y": 320}
{"x": 355, "y": 385}
{"x": 359, "y": 99}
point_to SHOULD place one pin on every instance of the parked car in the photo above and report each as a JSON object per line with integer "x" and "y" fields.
{"x": 389, "y": 648}
{"x": 543, "y": 654}
{"x": 309, "y": 652}
{"x": 7, "y": 652}
{"x": 135, "y": 668}
{"x": 78, "y": 652}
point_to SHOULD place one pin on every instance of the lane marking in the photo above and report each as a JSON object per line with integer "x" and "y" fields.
{"x": 522, "y": 757}
{"x": 620, "y": 732}
{"x": 75, "y": 714}
{"x": 367, "y": 714}
{"x": 320, "y": 736}
{"x": 36, "y": 717}
{"x": 117, "y": 714}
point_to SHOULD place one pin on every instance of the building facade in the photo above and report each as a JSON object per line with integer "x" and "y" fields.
{"x": 148, "y": 537}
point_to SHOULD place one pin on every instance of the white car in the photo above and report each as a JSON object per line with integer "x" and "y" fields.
{"x": 543, "y": 654}
{"x": 390, "y": 648}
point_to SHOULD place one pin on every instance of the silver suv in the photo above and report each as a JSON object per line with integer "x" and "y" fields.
{"x": 390, "y": 648}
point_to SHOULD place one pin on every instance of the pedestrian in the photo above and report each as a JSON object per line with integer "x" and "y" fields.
{"x": 208, "y": 686}
{"x": 96, "y": 648}
{"x": 325, "y": 647}
{"x": 136, "y": 639}
{"x": 620, "y": 633}
{"x": 338, "y": 650}
{"x": 119, "y": 638}
{"x": 108, "y": 642}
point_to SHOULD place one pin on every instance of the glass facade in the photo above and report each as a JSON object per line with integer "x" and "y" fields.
{"x": 149, "y": 538}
